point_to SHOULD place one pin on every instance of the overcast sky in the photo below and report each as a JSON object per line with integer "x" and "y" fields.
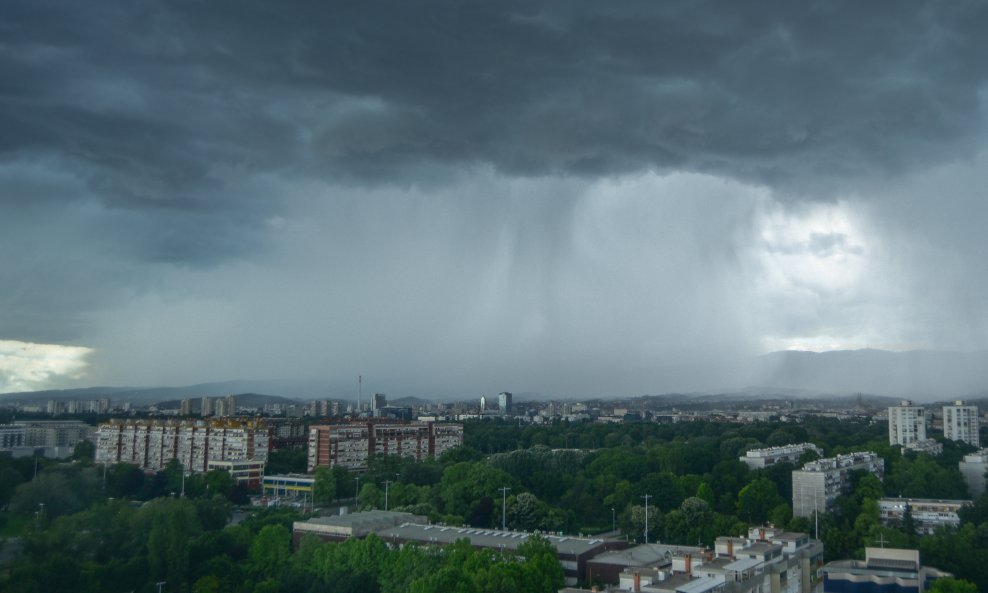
{"x": 459, "y": 198}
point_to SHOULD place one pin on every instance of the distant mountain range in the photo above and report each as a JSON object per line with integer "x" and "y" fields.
{"x": 919, "y": 375}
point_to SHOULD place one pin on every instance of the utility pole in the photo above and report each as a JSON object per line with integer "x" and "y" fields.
{"x": 646, "y": 497}
{"x": 504, "y": 504}
{"x": 386, "y": 483}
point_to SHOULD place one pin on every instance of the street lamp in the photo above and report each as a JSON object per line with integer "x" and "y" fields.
{"x": 160, "y": 584}
{"x": 646, "y": 497}
{"x": 356, "y": 494}
{"x": 504, "y": 504}
{"x": 613, "y": 520}
{"x": 386, "y": 483}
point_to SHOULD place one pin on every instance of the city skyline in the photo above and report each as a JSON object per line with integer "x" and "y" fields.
{"x": 570, "y": 199}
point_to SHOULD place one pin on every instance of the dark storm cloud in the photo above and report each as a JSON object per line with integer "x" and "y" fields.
{"x": 156, "y": 159}
{"x": 769, "y": 91}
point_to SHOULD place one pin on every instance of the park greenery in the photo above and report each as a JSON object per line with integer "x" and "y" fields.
{"x": 88, "y": 528}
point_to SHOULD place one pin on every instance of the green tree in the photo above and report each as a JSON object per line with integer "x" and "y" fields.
{"x": 270, "y": 551}
{"x": 324, "y": 487}
{"x": 171, "y": 524}
{"x": 952, "y": 586}
{"x": 757, "y": 499}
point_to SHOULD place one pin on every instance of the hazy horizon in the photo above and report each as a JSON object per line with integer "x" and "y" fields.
{"x": 572, "y": 198}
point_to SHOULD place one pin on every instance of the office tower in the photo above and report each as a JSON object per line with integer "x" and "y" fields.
{"x": 380, "y": 400}
{"x": 504, "y": 403}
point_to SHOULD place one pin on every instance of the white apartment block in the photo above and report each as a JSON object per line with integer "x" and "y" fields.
{"x": 152, "y": 444}
{"x": 960, "y": 423}
{"x": 762, "y": 458}
{"x": 907, "y": 424}
{"x": 928, "y": 514}
{"x": 973, "y": 469}
{"x": 819, "y": 483}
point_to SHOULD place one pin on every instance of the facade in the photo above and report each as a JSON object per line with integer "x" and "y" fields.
{"x": 928, "y": 514}
{"x": 11, "y": 436}
{"x": 292, "y": 487}
{"x": 819, "y": 483}
{"x": 248, "y": 472}
{"x": 907, "y": 424}
{"x": 889, "y": 570}
{"x": 151, "y": 445}
{"x": 960, "y": 423}
{"x": 287, "y": 433}
{"x": 351, "y": 445}
{"x": 762, "y": 458}
{"x": 973, "y": 469}
{"x": 928, "y": 446}
{"x": 504, "y": 403}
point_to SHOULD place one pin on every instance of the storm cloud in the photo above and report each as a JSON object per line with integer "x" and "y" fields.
{"x": 570, "y": 198}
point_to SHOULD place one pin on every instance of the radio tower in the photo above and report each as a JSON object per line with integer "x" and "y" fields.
{"x": 360, "y": 389}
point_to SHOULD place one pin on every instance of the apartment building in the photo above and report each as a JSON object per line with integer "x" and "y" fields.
{"x": 352, "y": 445}
{"x": 762, "y": 458}
{"x": 817, "y": 484}
{"x": 928, "y": 514}
{"x": 960, "y": 423}
{"x": 152, "y": 444}
{"x": 907, "y": 424}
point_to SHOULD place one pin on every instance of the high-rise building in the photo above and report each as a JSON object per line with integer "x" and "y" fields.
{"x": 483, "y": 403}
{"x": 351, "y": 445}
{"x": 817, "y": 485}
{"x": 960, "y": 423}
{"x": 907, "y": 424}
{"x": 207, "y": 407}
{"x": 504, "y": 403}
{"x": 231, "y": 405}
{"x": 152, "y": 444}
{"x": 380, "y": 400}
{"x": 186, "y": 407}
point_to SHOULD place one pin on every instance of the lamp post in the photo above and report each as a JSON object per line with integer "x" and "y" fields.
{"x": 646, "y": 497}
{"x": 160, "y": 584}
{"x": 504, "y": 504}
{"x": 356, "y": 495}
{"x": 386, "y": 484}
{"x": 613, "y": 520}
